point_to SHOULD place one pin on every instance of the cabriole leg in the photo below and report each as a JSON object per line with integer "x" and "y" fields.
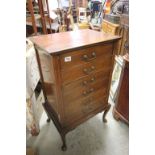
{"x": 105, "y": 113}
{"x": 48, "y": 120}
{"x": 63, "y": 147}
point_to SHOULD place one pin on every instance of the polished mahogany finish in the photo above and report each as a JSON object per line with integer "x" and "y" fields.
{"x": 65, "y": 41}
{"x": 75, "y": 69}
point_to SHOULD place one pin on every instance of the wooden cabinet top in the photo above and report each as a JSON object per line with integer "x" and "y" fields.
{"x": 110, "y": 23}
{"x": 59, "y": 42}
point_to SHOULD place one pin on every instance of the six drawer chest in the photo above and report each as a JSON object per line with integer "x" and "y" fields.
{"x": 75, "y": 69}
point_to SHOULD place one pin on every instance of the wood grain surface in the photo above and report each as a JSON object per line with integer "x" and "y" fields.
{"x": 54, "y": 43}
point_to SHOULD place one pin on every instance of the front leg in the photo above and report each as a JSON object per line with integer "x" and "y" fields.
{"x": 64, "y": 147}
{"x": 105, "y": 113}
{"x": 48, "y": 120}
{"x": 48, "y": 116}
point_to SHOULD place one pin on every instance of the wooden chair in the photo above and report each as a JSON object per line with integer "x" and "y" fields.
{"x": 32, "y": 19}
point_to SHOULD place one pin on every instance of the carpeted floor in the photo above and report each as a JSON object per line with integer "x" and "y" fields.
{"x": 90, "y": 138}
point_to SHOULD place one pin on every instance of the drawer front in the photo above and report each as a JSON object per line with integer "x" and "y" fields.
{"x": 100, "y": 64}
{"x": 79, "y": 57}
{"x": 86, "y": 81}
{"x": 86, "y": 99}
{"x": 83, "y": 108}
{"x": 85, "y": 87}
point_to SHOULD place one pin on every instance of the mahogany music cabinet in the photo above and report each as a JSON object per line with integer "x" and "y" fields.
{"x": 75, "y": 69}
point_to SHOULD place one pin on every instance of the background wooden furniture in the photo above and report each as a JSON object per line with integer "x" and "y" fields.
{"x": 83, "y": 25}
{"x": 76, "y": 70}
{"x": 121, "y": 8}
{"x": 35, "y": 14}
{"x": 116, "y": 77}
{"x": 121, "y": 108}
{"x": 124, "y": 33}
{"x": 80, "y": 3}
{"x": 32, "y": 17}
{"x": 109, "y": 27}
{"x": 122, "y": 30}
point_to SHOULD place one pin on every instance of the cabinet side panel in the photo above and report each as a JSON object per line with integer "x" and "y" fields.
{"x": 46, "y": 64}
{"x": 115, "y": 50}
{"x": 58, "y": 88}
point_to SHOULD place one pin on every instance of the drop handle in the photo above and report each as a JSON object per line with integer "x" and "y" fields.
{"x": 88, "y": 92}
{"x": 85, "y": 82}
{"x": 92, "y": 79}
{"x": 85, "y": 70}
{"x": 91, "y": 90}
{"x": 85, "y": 57}
{"x": 93, "y": 55}
{"x": 92, "y": 67}
{"x": 85, "y": 93}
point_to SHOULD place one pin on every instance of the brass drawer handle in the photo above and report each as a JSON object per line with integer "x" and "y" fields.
{"x": 93, "y": 56}
{"x": 89, "y": 70}
{"x": 85, "y": 93}
{"x": 88, "y": 92}
{"x": 92, "y": 68}
{"x": 86, "y": 58}
{"x": 86, "y": 71}
{"x": 89, "y": 81}
{"x": 92, "y": 79}
{"x": 91, "y": 90}
{"x": 85, "y": 82}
